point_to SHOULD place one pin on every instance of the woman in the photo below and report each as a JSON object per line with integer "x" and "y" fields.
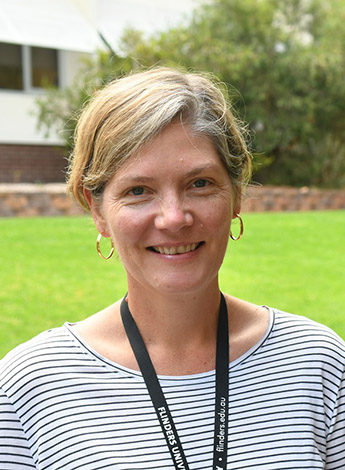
{"x": 160, "y": 162}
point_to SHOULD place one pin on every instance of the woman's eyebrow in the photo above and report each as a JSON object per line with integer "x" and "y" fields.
{"x": 200, "y": 169}
{"x": 136, "y": 179}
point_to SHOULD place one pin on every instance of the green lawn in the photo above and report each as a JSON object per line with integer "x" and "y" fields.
{"x": 51, "y": 273}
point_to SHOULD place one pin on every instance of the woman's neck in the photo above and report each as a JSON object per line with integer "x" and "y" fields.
{"x": 175, "y": 321}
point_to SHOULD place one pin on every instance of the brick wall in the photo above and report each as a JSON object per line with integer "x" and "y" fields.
{"x": 31, "y": 164}
{"x": 50, "y": 199}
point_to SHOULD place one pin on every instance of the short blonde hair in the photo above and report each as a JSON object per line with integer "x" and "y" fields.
{"x": 130, "y": 111}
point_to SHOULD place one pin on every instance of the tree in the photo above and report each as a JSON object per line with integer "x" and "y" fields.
{"x": 286, "y": 60}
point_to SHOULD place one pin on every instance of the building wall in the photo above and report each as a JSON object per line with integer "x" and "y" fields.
{"x": 18, "y": 123}
{"x": 26, "y": 154}
{"x": 18, "y": 109}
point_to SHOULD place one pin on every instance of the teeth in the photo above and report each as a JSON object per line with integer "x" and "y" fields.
{"x": 175, "y": 249}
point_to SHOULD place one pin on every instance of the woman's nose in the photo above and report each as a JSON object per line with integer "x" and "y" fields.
{"x": 173, "y": 216}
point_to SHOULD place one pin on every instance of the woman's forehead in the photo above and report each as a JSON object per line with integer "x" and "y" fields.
{"x": 175, "y": 144}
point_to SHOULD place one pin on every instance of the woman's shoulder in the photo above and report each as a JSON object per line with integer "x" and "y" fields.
{"x": 292, "y": 323}
{"x": 40, "y": 339}
{"x": 301, "y": 333}
{"x": 35, "y": 354}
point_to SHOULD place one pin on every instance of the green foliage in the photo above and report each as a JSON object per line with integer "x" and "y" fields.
{"x": 291, "y": 261}
{"x": 284, "y": 65}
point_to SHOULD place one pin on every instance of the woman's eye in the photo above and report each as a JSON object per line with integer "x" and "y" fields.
{"x": 138, "y": 191}
{"x": 201, "y": 183}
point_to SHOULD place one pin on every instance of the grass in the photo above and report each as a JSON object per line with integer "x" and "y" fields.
{"x": 51, "y": 273}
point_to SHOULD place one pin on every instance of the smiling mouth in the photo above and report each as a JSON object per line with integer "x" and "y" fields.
{"x": 175, "y": 250}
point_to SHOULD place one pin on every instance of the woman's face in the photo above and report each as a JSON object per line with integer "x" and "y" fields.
{"x": 168, "y": 211}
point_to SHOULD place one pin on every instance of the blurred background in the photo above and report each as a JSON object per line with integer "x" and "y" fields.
{"x": 282, "y": 63}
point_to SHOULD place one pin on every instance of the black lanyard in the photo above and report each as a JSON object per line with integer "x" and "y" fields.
{"x": 163, "y": 413}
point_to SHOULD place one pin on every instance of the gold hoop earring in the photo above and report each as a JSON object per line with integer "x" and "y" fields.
{"x": 241, "y": 229}
{"x": 99, "y": 248}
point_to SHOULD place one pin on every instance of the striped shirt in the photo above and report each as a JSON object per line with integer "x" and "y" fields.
{"x": 63, "y": 406}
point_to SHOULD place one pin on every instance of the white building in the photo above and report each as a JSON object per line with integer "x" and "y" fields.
{"x": 45, "y": 39}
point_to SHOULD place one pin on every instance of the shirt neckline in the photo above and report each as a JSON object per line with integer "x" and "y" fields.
{"x": 69, "y": 327}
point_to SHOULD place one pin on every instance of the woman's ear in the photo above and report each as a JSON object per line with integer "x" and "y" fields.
{"x": 96, "y": 212}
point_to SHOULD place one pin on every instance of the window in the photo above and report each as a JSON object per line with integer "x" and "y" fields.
{"x": 27, "y": 67}
{"x": 43, "y": 66}
{"x": 11, "y": 68}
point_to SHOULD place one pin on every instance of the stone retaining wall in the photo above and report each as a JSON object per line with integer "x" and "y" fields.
{"x": 28, "y": 200}
{"x": 282, "y": 198}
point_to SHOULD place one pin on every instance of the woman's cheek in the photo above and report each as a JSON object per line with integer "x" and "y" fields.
{"x": 130, "y": 226}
